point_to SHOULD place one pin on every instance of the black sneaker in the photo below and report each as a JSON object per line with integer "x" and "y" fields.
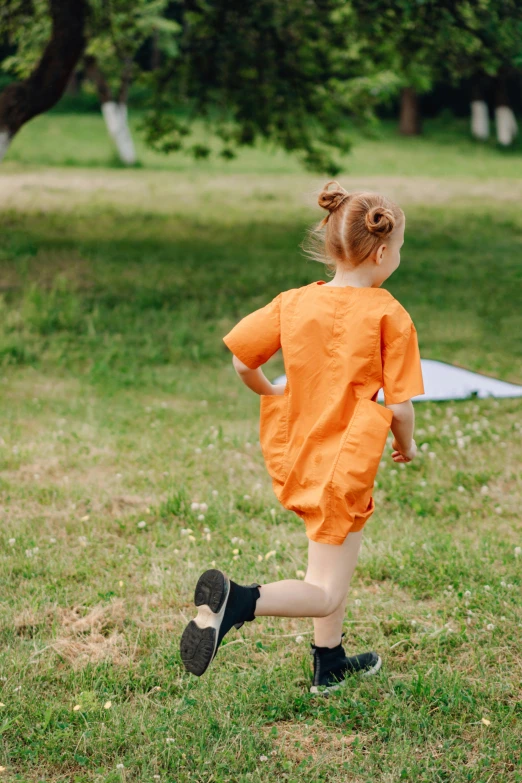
{"x": 332, "y": 667}
{"x": 222, "y": 604}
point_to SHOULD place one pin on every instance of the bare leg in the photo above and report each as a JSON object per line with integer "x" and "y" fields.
{"x": 328, "y": 630}
{"x": 323, "y": 590}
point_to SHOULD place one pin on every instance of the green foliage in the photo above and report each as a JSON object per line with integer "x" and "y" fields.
{"x": 287, "y": 72}
{"x": 425, "y": 40}
{"x": 118, "y": 29}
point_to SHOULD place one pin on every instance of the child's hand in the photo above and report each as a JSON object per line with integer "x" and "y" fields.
{"x": 404, "y": 455}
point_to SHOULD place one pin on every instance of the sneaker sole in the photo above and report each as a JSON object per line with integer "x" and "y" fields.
{"x": 199, "y": 639}
{"x": 324, "y": 690}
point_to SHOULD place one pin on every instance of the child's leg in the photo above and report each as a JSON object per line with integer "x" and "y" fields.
{"x": 323, "y": 590}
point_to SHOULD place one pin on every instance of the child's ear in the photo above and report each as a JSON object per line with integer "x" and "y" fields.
{"x": 379, "y": 253}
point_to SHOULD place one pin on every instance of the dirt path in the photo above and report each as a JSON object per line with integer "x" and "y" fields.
{"x": 162, "y": 192}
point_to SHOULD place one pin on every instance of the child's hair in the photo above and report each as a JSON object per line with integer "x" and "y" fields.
{"x": 356, "y": 224}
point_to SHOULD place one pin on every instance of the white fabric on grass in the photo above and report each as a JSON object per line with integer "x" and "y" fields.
{"x": 446, "y": 382}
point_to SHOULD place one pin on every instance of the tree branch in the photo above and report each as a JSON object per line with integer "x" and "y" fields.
{"x": 21, "y": 101}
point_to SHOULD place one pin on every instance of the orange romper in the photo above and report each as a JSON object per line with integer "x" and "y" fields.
{"x": 323, "y": 439}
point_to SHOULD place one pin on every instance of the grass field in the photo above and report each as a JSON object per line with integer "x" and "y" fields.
{"x": 120, "y": 408}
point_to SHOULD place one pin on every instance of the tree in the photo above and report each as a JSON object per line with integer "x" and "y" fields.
{"x": 45, "y": 83}
{"x": 426, "y": 40}
{"x": 116, "y": 31}
{"x": 288, "y": 72}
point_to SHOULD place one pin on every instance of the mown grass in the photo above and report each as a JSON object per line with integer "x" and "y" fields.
{"x": 120, "y": 408}
{"x": 446, "y": 149}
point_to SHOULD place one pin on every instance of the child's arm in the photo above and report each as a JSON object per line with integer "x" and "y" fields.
{"x": 255, "y": 379}
{"x": 402, "y": 426}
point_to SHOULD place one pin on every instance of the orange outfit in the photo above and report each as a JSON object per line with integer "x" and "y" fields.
{"x": 323, "y": 439}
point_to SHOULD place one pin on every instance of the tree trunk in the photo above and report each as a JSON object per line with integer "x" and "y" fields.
{"x": 115, "y": 116}
{"x": 21, "y": 101}
{"x": 479, "y": 111}
{"x": 506, "y": 124}
{"x": 410, "y": 119}
{"x": 115, "y": 112}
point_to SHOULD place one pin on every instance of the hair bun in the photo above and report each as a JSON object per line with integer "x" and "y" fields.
{"x": 332, "y": 199}
{"x": 380, "y": 221}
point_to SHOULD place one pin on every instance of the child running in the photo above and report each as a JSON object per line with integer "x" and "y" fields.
{"x": 323, "y": 434}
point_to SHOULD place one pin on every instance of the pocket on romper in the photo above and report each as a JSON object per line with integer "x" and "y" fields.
{"x": 359, "y": 455}
{"x": 272, "y": 433}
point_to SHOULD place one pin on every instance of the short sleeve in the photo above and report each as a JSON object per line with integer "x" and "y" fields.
{"x": 257, "y": 336}
{"x": 401, "y": 364}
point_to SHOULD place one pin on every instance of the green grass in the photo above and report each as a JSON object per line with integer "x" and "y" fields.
{"x": 445, "y": 149}
{"x": 120, "y": 406}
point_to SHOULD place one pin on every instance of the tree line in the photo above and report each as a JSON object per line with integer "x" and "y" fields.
{"x": 290, "y": 72}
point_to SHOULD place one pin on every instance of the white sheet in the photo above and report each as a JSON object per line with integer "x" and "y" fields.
{"x": 446, "y": 382}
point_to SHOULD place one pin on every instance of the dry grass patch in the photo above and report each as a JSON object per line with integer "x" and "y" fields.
{"x": 314, "y": 740}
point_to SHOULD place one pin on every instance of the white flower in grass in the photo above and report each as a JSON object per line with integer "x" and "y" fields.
{"x": 490, "y": 626}
{"x": 460, "y": 489}
{"x": 461, "y": 443}
{"x": 142, "y": 524}
{"x": 502, "y": 618}
{"x": 235, "y": 551}
{"x": 272, "y": 512}
{"x": 170, "y": 740}
{"x": 484, "y": 490}
{"x": 263, "y": 758}
{"x": 194, "y": 506}
{"x": 206, "y": 530}
{"x": 259, "y": 558}
{"x": 300, "y": 574}
{"x": 432, "y": 455}
{"x": 393, "y": 472}
{"x": 518, "y": 551}
{"x": 413, "y": 622}
{"x": 192, "y": 538}
{"x": 234, "y": 540}
{"x": 246, "y": 497}
{"x": 210, "y": 446}
{"x": 357, "y": 602}
{"x": 201, "y": 517}
{"x": 52, "y": 540}
{"x": 510, "y": 587}
{"x": 503, "y": 584}
{"x": 197, "y": 450}
{"x": 467, "y": 594}
{"x": 203, "y": 507}
{"x": 487, "y": 587}
{"x": 299, "y": 639}
{"x": 120, "y": 766}
{"x": 12, "y": 541}
{"x": 498, "y": 509}
{"x": 425, "y": 446}
{"x": 257, "y": 486}
{"x": 18, "y": 688}
{"x": 215, "y": 492}
{"x": 208, "y": 537}
{"x": 28, "y": 552}
{"x": 270, "y": 554}
{"x": 82, "y": 540}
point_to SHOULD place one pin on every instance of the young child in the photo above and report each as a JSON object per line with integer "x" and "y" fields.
{"x": 323, "y": 434}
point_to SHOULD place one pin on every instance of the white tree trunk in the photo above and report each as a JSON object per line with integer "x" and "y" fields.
{"x": 5, "y": 141}
{"x": 479, "y": 120}
{"x": 115, "y": 116}
{"x": 506, "y": 123}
